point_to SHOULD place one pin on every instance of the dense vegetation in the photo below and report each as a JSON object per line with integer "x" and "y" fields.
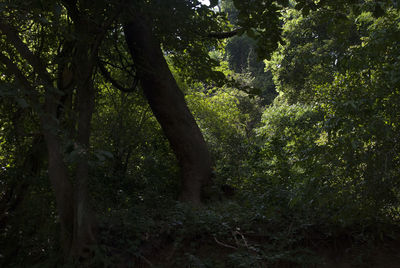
{"x": 178, "y": 133}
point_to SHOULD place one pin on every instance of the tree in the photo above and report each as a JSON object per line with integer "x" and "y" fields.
{"x": 146, "y": 31}
{"x": 57, "y": 56}
{"x": 314, "y": 50}
{"x": 169, "y": 106}
{"x": 55, "y": 74}
{"x": 345, "y": 80}
{"x": 243, "y": 58}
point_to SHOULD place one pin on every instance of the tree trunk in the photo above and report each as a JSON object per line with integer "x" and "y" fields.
{"x": 62, "y": 186}
{"x": 77, "y": 219}
{"x": 85, "y": 224}
{"x": 75, "y": 216}
{"x": 169, "y": 107}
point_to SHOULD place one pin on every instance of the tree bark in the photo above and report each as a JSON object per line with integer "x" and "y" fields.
{"x": 85, "y": 225}
{"x": 169, "y": 107}
{"x": 58, "y": 175}
{"x": 77, "y": 218}
{"x": 78, "y": 225}
{"x": 84, "y": 234}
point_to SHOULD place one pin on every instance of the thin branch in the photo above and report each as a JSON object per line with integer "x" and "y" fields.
{"x": 242, "y": 236}
{"x": 224, "y": 35}
{"x": 104, "y": 72}
{"x": 121, "y": 68}
{"x": 104, "y": 28}
{"x": 26, "y": 53}
{"x": 72, "y": 9}
{"x": 146, "y": 260}
{"x": 12, "y": 69}
{"x": 223, "y": 244}
{"x": 122, "y": 59}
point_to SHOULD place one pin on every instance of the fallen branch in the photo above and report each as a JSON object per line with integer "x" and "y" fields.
{"x": 223, "y": 244}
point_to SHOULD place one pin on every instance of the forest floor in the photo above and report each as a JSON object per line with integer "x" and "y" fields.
{"x": 386, "y": 255}
{"x": 333, "y": 254}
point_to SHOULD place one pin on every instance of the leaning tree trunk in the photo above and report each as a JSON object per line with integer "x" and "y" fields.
{"x": 169, "y": 107}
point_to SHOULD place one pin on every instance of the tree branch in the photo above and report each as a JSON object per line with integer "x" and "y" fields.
{"x": 25, "y": 52}
{"x": 223, "y": 244}
{"x": 114, "y": 82}
{"x": 224, "y": 35}
{"x": 12, "y": 69}
{"x": 72, "y": 9}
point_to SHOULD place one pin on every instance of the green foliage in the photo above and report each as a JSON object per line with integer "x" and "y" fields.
{"x": 132, "y": 161}
{"x": 183, "y": 28}
{"x": 227, "y": 118}
{"x": 27, "y": 243}
{"x": 340, "y": 155}
{"x": 222, "y": 235}
{"x": 289, "y": 133}
{"x": 314, "y": 49}
{"x": 318, "y": 167}
{"x": 244, "y": 60}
